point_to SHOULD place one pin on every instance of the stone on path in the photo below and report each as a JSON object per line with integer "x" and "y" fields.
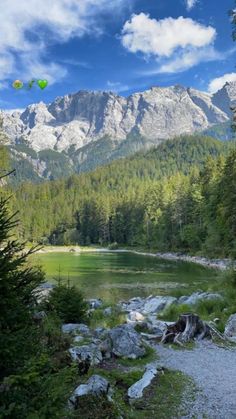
{"x": 136, "y": 390}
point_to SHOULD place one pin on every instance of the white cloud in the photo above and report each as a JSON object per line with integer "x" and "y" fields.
{"x": 190, "y": 4}
{"x": 117, "y": 86}
{"x": 189, "y": 59}
{"x": 219, "y": 82}
{"x": 28, "y": 26}
{"x": 162, "y": 37}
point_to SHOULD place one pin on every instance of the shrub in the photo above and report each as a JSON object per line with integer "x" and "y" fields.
{"x": 173, "y": 312}
{"x": 68, "y": 303}
{"x": 113, "y": 246}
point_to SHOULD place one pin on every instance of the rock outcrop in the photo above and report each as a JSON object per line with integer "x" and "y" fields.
{"x": 95, "y": 386}
{"x": 126, "y": 342}
{"x": 157, "y": 113}
{"x": 230, "y": 328}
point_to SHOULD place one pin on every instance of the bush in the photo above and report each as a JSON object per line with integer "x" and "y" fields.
{"x": 68, "y": 303}
{"x": 113, "y": 246}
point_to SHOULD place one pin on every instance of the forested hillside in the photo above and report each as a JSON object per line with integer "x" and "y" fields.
{"x": 179, "y": 196}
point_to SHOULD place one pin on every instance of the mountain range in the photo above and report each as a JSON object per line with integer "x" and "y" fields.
{"x": 80, "y": 131}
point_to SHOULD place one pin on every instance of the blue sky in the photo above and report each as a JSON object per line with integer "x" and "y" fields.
{"x": 119, "y": 45}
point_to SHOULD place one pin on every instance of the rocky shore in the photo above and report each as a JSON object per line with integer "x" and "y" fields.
{"x": 102, "y": 348}
{"x": 221, "y": 264}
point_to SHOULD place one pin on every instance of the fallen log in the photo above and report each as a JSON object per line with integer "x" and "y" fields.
{"x": 188, "y": 327}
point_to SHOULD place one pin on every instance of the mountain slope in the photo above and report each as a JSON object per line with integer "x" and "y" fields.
{"x": 59, "y": 201}
{"x": 92, "y": 128}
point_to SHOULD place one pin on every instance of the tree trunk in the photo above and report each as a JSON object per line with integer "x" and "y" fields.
{"x": 188, "y": 327}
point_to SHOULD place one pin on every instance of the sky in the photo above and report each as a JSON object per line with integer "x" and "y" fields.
{"x": 124, "y": 46}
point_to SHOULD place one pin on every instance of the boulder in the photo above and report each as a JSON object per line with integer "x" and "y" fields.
{"x": 198, "y": 296}
{"x": 101, "y": 332}
{"x": 230, "y": 328}
{"x": 86, "y": 353}
{"x": 107, "y": 311}
{"x": 135, "y": 317}
{"x": 156, "y": 304}
{"x": 96, "y": 386}
{"x": 76, "y": 328}
{"x": 136, "y": 390}
{"x": 147, "y": 305}
{"x": 134, "y": 304}
{"x": 155, "y": 326}
{"x": 126, "y": 342}
{"x": 95, "y": 303}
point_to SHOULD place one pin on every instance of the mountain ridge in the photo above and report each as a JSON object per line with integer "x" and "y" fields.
{"x": 79, "y": 125}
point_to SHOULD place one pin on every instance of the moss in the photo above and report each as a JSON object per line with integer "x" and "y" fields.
{"x": 150, "y": 356}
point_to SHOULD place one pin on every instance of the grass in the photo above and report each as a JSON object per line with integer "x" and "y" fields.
{"x": 209, "y": 310}
{"x": 162, "y": 399}
{"x": 150, "y": 356}
{"x": 98, "y": 319}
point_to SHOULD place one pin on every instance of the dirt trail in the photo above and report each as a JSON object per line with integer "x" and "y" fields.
{"x": 213, "y": 370}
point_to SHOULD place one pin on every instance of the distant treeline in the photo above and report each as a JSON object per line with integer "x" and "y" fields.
{"x": 180, "y": 196}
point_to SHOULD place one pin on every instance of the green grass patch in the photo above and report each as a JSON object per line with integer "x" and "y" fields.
{"x": 151, "y": 355}
{"x": 98, "y": 319}
{"x": 173, "y": 312}
{"x": 162, "y": 399}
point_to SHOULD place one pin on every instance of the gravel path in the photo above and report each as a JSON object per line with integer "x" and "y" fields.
{"x": 213, "y": 370}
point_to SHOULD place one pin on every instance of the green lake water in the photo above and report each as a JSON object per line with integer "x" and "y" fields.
{"x": 116, "y": 276}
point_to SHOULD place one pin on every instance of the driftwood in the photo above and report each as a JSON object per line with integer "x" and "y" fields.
{"x": 188, "y": 327}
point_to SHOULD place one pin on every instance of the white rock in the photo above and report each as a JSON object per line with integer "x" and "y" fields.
{"x": 136, "y": 390}
{"x": 96, "y": 386}
{"x": 230, "y": 328}
{"x": 89, "y": 352}
{"x": 134, "y": 317}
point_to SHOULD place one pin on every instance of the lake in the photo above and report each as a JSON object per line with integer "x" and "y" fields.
{"x": 115, "y": 276}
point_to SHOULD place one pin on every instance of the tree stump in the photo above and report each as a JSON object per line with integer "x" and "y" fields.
{"x": 188, "y": 327}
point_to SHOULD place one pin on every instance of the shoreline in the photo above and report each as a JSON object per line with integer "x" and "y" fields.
{"x": 221, "y": 264}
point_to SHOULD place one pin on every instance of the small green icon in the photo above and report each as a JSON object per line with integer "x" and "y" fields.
{"x": 17, "y": 84}
{"x": 42, "y": 84}
{"x": 30, "y": 84}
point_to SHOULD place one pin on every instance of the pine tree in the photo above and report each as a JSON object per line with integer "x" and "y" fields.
{"x": 17, "y": 283}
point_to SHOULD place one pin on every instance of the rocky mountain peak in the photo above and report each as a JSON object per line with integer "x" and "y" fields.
{"x": 225, "y": 97}
{"x": 87, "y": 116}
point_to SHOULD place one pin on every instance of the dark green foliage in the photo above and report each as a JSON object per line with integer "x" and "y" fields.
{"x": 18, "y": 280}
{"x": 68, "y": 303}
{"x": 35, "y": 373}
{"x": 179, "y": 196}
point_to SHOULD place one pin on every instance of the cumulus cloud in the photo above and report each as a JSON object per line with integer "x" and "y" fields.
{"x": 162, "y": 37}
{"x": 190, "y": 4}
{"x": 175, "y": 44}
{"x": 189, "y": 59}
{"x": 219, "y": 82}
{"x": 27, "y": 26}
{"x": 116, "y": 86}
